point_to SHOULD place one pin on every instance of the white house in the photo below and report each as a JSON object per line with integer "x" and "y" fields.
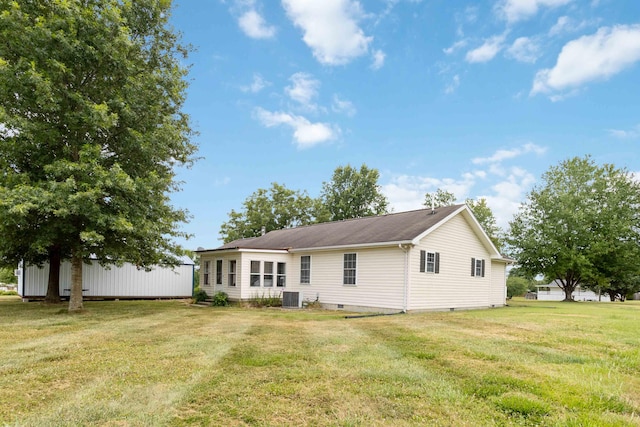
{"x": 553, "y": 292}
{"x": 410, "y": 261}
{"x": 122, "y": 282}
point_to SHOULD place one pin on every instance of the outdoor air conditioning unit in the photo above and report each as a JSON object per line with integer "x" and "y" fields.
{"x": 291, "y": 299}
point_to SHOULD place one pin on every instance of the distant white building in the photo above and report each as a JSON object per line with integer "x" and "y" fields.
{"x": 553, "y": 292}
{"x": 123, "y": 282}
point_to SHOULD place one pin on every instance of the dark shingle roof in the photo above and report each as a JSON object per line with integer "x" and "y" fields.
{"x": 397, "y": 227}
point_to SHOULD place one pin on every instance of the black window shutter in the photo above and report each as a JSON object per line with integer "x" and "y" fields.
{"x": 437, "y": 270}
{"x": 482, "y": 268}
{"x": 423, "y": 256}
{"x": 473, "y": 266}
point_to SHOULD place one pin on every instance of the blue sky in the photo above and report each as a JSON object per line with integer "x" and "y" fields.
{"x": 479, "y": 97}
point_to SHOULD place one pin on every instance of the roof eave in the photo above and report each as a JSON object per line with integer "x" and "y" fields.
{"x": 356, "y": 246}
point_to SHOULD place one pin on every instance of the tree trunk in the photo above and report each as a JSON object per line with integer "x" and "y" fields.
{"x": 53, "y": 284}
{"x": 75, "y": 300}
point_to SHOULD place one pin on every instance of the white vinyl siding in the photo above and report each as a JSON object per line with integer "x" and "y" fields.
{"x": 454, "y": 287}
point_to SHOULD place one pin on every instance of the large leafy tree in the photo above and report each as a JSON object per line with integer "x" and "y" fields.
{"x": 269, "y": 209}
{"x": 91, "y": 93}
{"x": 353, "y": 193}
{"x": 439, "y": 199}
{"x": 487, "y": 220}
{"x": 580, "y": 226}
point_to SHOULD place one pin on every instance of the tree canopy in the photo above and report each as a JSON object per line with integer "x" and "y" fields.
{"x": 580, "y": 226}
{"x": 353, "y": 193}
{"x": 439, "y": 199}
{"x": 270, "y": 209}
{"x": 91, "y": 97}
{"x": 487, "y": 220}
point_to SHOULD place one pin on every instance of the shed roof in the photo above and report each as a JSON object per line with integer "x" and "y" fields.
{"x": 390, "y": 228}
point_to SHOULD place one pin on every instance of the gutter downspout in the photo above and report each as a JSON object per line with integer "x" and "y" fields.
{"x": 405, "y": 291}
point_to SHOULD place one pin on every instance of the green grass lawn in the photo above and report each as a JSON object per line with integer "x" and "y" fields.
{"x": 129, "y": 363}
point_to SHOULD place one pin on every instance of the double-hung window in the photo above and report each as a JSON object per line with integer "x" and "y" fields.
{"x": 349, "y": 272}
{"x": 281, "y": 276}
{"x": 305, "y": 269}
{"x": 206, "y": 272}
{"x": 218, "y": 272}
{"x": 254, "y": 278}
{"x": 232, "y": 272}
{"x": 268, "y": 274}
{"x": 429, "y": 262}
{"x": 477, "y": 267}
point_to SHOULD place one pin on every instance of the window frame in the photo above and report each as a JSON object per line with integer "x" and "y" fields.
{"x": 281, "y": 278}
{"x": 305, "y": 273}
{"x": 218, "y": 272}
{"x": 350, "y": 273}
{"x": 431, "y": 267}
{"x": 205, "y": 273}
{"x": 254, "y": 276}
{"x": 477, "y": 267}
{"x": 233, "y": 273}
{"x": 267, "y": 274}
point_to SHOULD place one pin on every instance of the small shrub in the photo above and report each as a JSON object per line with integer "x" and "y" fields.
{"x": 8, "y": 293}
{"x": 220, "y": 299}
{"x": 266, "y": 300}
{"x": 199, "y": 295}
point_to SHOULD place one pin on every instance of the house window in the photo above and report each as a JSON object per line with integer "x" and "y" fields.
{"x": 206, "y": 272}
{"x": 429, "y": 262}
{"x": 254, "y": 279}
{"x": 268, "y": 274}
{"x": 477, "y": 267}
{"x": 281, "y": 277}
{"x": 232, "y": 272}
{"x": 218, "y": 272}
{"x": 349, "y": 275}
{"x": 305, "y": 269}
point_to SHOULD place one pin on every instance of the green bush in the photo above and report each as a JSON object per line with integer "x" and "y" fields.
{"x": 516, "y": 286}
{"x": 266, "y": 300}
{"x": 7, "y": 293}
{"x": 199, "y": 295}
{"x": 220, "y": 299}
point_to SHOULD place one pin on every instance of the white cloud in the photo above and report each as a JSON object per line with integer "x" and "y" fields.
{"x": 330, "y": 28}
{"x": 305, "y": 133}
{"x": 406, "y": 192}
{"x": 451, "y": 87}
{"x": 560, "y": 26}
{"x": 304, "y": 89}
{"x": 524, "y": 49}
{"x": 455, "y": 47}
{"x": 254, "y": 25}
{"x": 501, "y": 155}
{"x": 487, "y": 51}
{"x": 518, "y": 10}
{"x": 626, "y": 134}
{"x": 378, "y": 59}
{"x": 343, "y": 106}
{"x": 506, "y": 185}
{"x": 256, "y": 85}
{"x": 588, "y": 58}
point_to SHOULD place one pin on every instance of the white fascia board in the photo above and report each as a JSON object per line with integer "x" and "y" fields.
{"x": 357, "y": 246}
{"x": 236, "y": 250}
